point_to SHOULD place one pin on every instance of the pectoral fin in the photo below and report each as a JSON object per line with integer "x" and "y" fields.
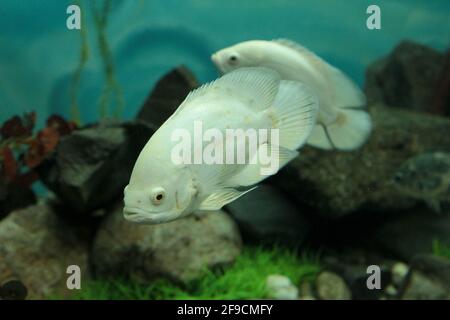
{"x": 217, "y": 200}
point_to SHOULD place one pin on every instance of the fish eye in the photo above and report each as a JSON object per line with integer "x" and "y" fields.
{"x": 158, "y": 195}
{"x": 398, "y": 177}
{"x": 233, "y": 59}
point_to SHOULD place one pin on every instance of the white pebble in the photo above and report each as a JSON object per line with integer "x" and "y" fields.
{"x": 399, "y": 272}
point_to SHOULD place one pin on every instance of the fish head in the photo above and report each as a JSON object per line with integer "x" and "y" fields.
{"x": 403, "y": 177}
{"x": 241, "y": 55}
{"x": 413, "y": 180}
{"x": 159, "y": 194}
{"x": 423, "y": 173}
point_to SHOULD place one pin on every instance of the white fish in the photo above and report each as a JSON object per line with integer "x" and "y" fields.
{"x": 160, "y": 190}
{"x": 342, "y": 122}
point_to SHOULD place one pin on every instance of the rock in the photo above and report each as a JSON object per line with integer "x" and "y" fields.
{"x": 406, "y": 78}
{"x": 13, "y": 197}
{"x": 280, "y": 287}
{"x": 167, "y": 95}
{"x": 355, "y": 274}
{"x": 330, "y": 286}
{"x": 429, "y": 279}
{"x": 306, "y": 291}
{"x": 406, "y": 234}
{"x": 13, "y": 290}
{"x": 436, "y": 268}
{"x": 91, "y": 166}
{"x": 179, "y": 250}
{"x": 441, "y": 94}
{"x": 356, "y": 277}
{"x": 391, "y": 291}
{"x": 399, "y": 271}
{"x": 426, "y": 177}
{"x": 267, "y": 215}
{"x": 36, "y": 247}
{"x": 338, "y": 183}
{"x": 422, "y": 288}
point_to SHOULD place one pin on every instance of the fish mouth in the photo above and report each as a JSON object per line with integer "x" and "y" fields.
{"x": 215, "y": 59}
{"x": 128, "y": 211}
{"x": 137, "y": 215}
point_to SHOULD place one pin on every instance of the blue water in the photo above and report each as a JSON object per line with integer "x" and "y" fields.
{"x": 38, "y": 54}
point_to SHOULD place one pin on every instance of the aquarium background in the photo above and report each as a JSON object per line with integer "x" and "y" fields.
{"x": 39, "y": 54}
{"x": 309, "y": 232}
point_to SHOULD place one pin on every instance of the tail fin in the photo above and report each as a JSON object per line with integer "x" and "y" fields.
{"x": 346, "y": 93}
{"x": 353, "y": 125}
{"x": 294, "y": 112}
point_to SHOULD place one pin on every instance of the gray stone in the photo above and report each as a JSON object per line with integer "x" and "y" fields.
{"x": 421, "y": 287}
{"x": 399, "y": 272}
{"x": 91, "y": 166}
{"x": 179, "y": 250}
{"x": 436, "y": 268}
{"x": 280, "y": 287}
{"x": 306, "y": 291}
{"x": 13, "y": 290}
{"x": 355, "y": 275}
{"x": 168, "y": 93}
{"x": 338, "y": 183}
{"x": 407, "y": 78}
{"x": 330, "y": 286}
{"x": 37, "y": 246}
{"x": 267, "y": 215}
{"x": 426, "y": 177}
{"x": 391, "y": 291}
{"x": 407, "y": 234}
{"x": 429, "y": 279}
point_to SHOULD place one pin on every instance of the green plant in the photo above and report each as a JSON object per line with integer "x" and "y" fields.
{"x": 245, "y": 279}
{"x": 111, "y": 92}
{"x": 111, "y": 86}
{"x": 75, "y": 85}
{"x": 440, "y": 249}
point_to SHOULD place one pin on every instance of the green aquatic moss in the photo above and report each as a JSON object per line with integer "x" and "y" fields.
{"x": 76, "y": 79}
{"x": 111, "y": 95}
{"x": 245, "y": 279}
{"x": 441, "y": 250}
{"x": 111, "y": 92}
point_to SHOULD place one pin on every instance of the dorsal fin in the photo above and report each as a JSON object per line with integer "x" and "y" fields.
{"x": 346, "y": 92}
{"x": 257, "y": 87}
{"x": 195, "y": 94}
{"x": 318, "y": 61}
{"x": 294, "y": 45}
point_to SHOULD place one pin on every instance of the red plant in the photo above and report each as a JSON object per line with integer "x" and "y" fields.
{"x": 21, "y": 151}
{"x": 18, "y": 127}
{"x": 9, "y": 164}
